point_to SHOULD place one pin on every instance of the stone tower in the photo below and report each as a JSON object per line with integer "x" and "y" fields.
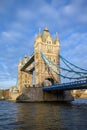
{"x": 50, "y": 47}
{"x": 24, "y": 79}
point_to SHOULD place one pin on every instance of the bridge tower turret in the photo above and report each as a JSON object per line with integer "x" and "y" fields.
{"x": 24, "y": 79}
{"x": 50, "y": 48}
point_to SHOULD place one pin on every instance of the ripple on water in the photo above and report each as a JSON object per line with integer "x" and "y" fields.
{"x": 44, "y": 116}
{"x": 80, "y": 101}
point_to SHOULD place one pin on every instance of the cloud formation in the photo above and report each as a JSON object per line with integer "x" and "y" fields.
{"x": 20, "y": 23}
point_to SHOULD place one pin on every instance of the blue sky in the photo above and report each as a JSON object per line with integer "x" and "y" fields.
{"x": 19, "y": 24}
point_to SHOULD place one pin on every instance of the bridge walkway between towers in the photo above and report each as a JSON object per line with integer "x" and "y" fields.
{"x": 82, "y": 84}
{"x": 29, "y": 62}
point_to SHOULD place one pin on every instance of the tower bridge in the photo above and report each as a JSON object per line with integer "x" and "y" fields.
{"x": 43, "y": 69}
{"x": 36, "y": 64}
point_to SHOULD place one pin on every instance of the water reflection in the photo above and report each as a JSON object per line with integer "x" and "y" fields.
{"x": 39, "y": 116}
{"x": 43, "y": 116}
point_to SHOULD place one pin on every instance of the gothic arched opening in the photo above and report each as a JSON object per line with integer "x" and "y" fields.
{"x": 48, "y": 82}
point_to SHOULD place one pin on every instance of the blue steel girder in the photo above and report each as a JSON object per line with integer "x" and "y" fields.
{"x": 82, "y": 84}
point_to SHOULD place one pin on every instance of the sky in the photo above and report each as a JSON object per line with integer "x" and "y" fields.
{"x": 20, "y": 21}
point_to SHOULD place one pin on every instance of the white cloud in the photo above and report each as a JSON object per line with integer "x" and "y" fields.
{"x": 25, "y": 14}
{"x": 5, "y": 5}
{"x": 74, "y": 48}
{"x": 7, "y": 75}
{"x": 21, "y": 23}
{"x": 10, "y": 35}
{"x": 8, "y": 83}
{"x": 76, "y": 10}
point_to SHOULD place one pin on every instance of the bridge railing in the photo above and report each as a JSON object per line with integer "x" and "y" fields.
{"x": 67, "y": 86}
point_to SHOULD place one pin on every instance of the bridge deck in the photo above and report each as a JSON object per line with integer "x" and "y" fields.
{"x": 82, "y": 84}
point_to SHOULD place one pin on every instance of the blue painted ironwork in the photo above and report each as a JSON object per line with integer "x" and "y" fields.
{"x": 58, "y": 66}
{"x": 82, "y": 84}
{"x": 82, "y": 73}
{"x": 64, "y": 60}
{"x": 49, "y": 63}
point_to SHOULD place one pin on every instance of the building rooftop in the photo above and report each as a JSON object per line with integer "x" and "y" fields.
{"x": 46, "y": 29}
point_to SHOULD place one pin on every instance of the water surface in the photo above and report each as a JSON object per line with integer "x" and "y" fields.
{"x": 43, "y": 116}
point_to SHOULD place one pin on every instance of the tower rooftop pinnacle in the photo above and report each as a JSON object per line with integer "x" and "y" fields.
{"x": 46, "y": 29}
{"x": 57, "y": 39}
{"x": 25, "y": 56}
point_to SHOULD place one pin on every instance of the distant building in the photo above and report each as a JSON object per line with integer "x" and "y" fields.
{"x": 4, "y": 93}
{"x": 13, "y": 93}
{"x": 1, "y": 93}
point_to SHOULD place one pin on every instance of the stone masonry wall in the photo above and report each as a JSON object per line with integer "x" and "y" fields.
{"x": 34, "y": 94}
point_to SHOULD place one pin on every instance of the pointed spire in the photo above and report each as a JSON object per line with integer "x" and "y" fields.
{"x": 25, "y": 56}
{"x": 57, "y": 39}
{"x": 38, "y": 37}
{"x": 39, "y": 34}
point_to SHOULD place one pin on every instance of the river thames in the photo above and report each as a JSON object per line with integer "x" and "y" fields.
{"x": 43, "y": 116}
